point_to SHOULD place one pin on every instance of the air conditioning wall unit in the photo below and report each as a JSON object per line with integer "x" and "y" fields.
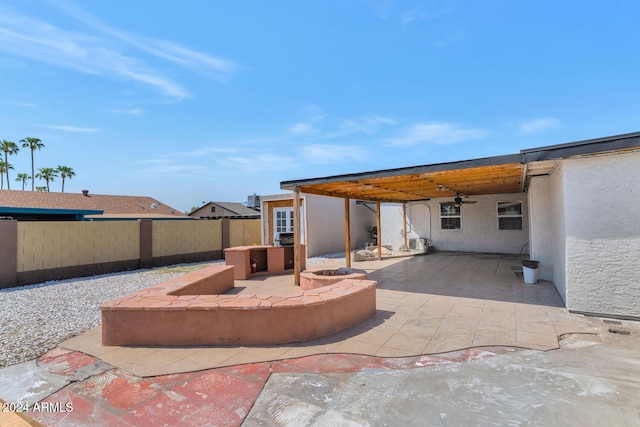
{"x": 418, "y": 244}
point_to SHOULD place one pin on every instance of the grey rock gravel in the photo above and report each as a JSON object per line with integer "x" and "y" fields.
{"x": 36, "y": 318}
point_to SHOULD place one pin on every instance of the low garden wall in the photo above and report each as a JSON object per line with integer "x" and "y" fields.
{"x": 189, "y": 310}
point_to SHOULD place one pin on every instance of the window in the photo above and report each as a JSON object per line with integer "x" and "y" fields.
{"x": 450, "y": 218}
{"x": 284, "y": 221}
{"x": 213, "y": 208}
{"x": 509, "y": 215}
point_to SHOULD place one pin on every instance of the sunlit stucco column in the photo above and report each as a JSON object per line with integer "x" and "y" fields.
{"x": 347, "y": 231}
{"x": 404, "y": 225}
{"x": 296, "y": 235}
{"x": 378, "y": 222}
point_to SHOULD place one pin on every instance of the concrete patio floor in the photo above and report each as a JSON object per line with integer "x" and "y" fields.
{"x": 456, "y": 340}
{"x": 429, "y": 304}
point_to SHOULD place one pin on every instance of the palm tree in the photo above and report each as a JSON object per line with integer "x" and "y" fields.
{"x": 65, "y": 172}
{"x": 33, "y": 144}
{"x": 23, "y": 177}
{"x": 2, "y": 174}
{"x": 4, "y": 167}
{"x": 10, "y": 148}
{"x": 41, "y": 189}
{"x": 47, "y": 174}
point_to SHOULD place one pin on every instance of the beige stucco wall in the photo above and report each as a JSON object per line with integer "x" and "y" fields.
{"x": 326, "y": 225}
{"x": 602, "y": 234}
{"x": 544, "y": 222}
{"x": 54, "y": 244}
{"x": 185, "y": 237}
{"x": 479, "y": 232}
{"x": 244, "y": 232}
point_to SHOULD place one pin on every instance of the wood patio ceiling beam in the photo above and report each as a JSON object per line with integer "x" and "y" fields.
{"x": 357, "y": 195}
{"x": 502, "y": 178}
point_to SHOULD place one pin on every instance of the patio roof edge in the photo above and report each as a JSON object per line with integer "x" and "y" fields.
{"x": 589, "y": 146}
{"x": 382, "y": 173}
{"x": 6, "y": 210}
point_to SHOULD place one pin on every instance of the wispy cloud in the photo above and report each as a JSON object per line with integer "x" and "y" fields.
{"x": 323, "y": 127}
{"x": 265, "y": 162}
{"x": 450, "y": 37}
{"x": 129, "y": 111}
{"x": 190, "y": 58}
{"x": 103, "y": 50}
{"x": 368, "y": 125}
{"x": 302, "y": 128}
{"x": 214, "y": 150}
{"x": 333, "y": 153}
{"x": 168, "y": 166}
{"x": 308, "y": 126}
{"x": 228, "y": 164}
{"x": 441, "y": 133}
{"x": 25, "y": 104}
{"x": 407, "y": 16}
{"x": 71, "y": 128}
{"x": 536, "y": 125}
{"x": 165, "y": 49}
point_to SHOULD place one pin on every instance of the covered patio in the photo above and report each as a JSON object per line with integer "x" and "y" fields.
{"x": 455, "y": 180}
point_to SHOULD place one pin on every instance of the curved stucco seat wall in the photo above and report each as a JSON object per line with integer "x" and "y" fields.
{"x": 320, "y": 277}
{"x": 167, "y": 314}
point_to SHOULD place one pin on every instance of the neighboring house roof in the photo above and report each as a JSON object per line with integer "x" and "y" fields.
{"x": 96, "y": 206}
{"x": 224, "y": 210}
{"x": 237, "y": 208}
{"x": 490, "y": 175}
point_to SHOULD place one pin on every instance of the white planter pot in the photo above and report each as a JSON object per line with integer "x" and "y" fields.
{"x": 530, "y": 274}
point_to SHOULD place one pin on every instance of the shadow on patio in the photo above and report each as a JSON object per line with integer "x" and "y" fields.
{"x": 425, "y": 305}
{"x": 448, "y": 301}
{"x": 477, "y": 276}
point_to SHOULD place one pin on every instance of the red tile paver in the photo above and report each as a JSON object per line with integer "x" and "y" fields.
{"x": 220, "y": 397}
{"x": 64, "y": 362}
{"x": 81, "y": 412}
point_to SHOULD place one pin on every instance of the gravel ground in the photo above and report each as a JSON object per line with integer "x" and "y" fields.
{"x": 36, "y": 318}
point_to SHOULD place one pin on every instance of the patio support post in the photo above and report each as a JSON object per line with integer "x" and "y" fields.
{"x": 404, "y": 225}
{"x": 296, "y": 235}
{"x": 347, "y": 231}
{"x": 379, "y": 230}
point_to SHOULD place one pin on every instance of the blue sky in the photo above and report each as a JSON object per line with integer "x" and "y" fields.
{"x": 196, "y": 101}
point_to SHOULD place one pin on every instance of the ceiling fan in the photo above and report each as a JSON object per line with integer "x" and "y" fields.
{"x": 458, "y": 200}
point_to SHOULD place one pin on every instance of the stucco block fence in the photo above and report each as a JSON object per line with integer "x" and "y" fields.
{"x": 35, "y": 252}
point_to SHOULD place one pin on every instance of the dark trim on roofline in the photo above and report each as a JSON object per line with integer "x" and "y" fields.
{"x": 111, "y": 218}
{"x": 437, "y": 167}
{"x": 46, "y": 214}
{"x": 11, "y": 209}
{"x": 227, "y": 217}
{"x": 589, "y": 146}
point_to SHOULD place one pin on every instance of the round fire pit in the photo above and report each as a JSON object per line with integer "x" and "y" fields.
{"x": 311, "y": 279}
